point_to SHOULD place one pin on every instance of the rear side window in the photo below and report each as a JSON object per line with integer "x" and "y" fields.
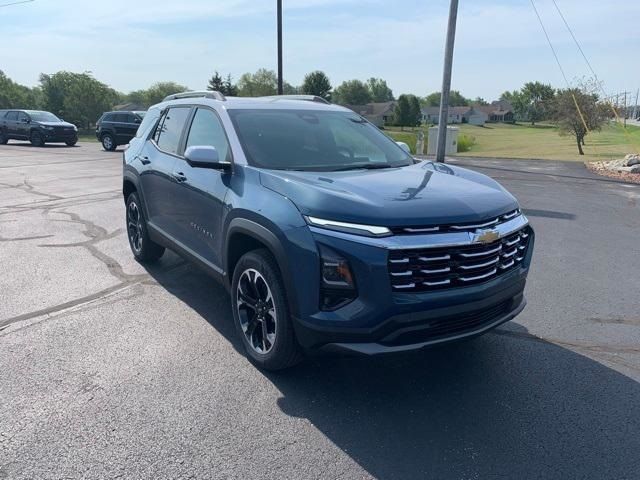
{"x": 108, "y": 117}
{"x": 170, "y": 129}
{"x": 12, "y": 116}
{"x": 206, "y": 130}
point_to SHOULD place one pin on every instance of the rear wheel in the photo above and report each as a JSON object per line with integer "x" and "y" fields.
{"x": 144, "y": 249}
{"x": 36, "y": 139}
{"x": 108, "y": 142}
{"x": 3, "y": 138}
{"x": 261, "y": 312}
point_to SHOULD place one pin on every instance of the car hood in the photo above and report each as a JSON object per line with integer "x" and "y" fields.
{"x": 425, "y": 193}
{"x": 56, "y": 124}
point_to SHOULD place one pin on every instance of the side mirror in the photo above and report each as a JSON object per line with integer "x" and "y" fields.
{"x": 25, "y": 120}
{"x": 204, "y": 156}
{"x": 405, "y": 147}
{"x": 137, "y": 120}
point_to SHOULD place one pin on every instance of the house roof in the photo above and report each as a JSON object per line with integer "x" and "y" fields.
{"x": 452, "y": 110}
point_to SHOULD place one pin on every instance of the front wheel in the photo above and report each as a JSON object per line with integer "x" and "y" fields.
{"x": 71, "y": 143}
{"x": 36, "y": 139}
{"x": 261, "y": 313}
{"x": 144, "y": 249}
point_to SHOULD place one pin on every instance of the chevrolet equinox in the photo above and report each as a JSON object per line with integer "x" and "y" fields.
{"x": 328, "y": 235}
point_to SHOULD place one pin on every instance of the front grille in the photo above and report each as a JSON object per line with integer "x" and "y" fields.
{"x": 452, "y": 325}
{"x": 428, "y": 269}
{"x": 460, "y": 227}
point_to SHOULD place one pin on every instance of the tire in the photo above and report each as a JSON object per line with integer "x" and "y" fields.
{"x": 108, "y": 142}
{"x": 71, "y": 143}
{"x": 269, "y": 313}
{"x": 36, "y": 139}
{"x": 143, "y": 248}
{"x": 3, "y": 138}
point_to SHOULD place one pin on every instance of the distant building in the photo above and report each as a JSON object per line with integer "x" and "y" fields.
{"x": 500, "y": 111}
{"x": 471, "y": 115}
{"x": 380, "y": 114}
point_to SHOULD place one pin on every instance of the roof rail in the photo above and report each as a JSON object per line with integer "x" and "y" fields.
{"x": 215, "y": 95}
{"x": 308, "y": 98}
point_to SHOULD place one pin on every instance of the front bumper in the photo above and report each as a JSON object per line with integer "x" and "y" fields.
{"x": 59, "y": 136}
{"x": 384, "y": 321}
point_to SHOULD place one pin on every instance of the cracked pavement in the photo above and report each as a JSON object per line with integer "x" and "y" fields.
{"x": 112, "y": 370}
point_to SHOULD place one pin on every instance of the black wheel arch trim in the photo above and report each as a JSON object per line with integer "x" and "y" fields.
{"x": 264, "y": 235}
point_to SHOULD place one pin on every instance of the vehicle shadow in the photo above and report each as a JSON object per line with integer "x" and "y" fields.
{"x": 506, "y": 405}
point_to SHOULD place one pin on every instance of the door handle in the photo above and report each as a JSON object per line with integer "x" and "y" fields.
{"x": 145, "y": 160}
{"x": 180, "y": 177}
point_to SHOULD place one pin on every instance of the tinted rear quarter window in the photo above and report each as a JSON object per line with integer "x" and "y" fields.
{"x": 12, "y": 116}
{"x": 170, "y": 130}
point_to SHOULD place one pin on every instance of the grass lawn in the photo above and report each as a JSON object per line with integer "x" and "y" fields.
{"x": 87, "y": 138}
{"x": 541, "y": 141}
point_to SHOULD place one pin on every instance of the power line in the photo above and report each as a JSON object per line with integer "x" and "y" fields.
{"x": 16, "y": 3}
{"x": 566, "y": 24}
{"x": 555, "y": 54}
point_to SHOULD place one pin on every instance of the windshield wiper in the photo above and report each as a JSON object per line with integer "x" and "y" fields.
{"x": 362, "y": 166}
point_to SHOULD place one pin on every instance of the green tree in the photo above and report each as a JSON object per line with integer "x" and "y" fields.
{"x": 216, "y": 83}
{"x": 224, "y": 86}
{"x": 14, "y": 95}
{"x": 288, "y": 89}
{"x": 575, "y": 107}
{"x": 352, "y": 92}
{"x": 536, "y": 99}
{"x": 456, "y": 99}
{"x": 479, "y": 101}
{"x": 379, "y": 90}
{"x": 415, "y": 114}
{"x": 77, "y": 97}
{"x": 508, "y": 96}
{"x": 87, "y": 99}
{"x": 262, "y": 83}
{"x": 158, "y": 91}
{"x": 402, "y": 113}
{"x": 229, "y": 88}
{"x": 317, "y": 83}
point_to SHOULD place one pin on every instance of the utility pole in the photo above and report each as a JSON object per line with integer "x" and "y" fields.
{"x": 279, "y": 47}
{"x": 446, "y": 81}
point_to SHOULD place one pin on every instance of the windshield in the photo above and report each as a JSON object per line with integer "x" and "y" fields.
{"x": 141, "y": 114}
{"x": 43, "y": 116}
{"x": 314, "y": 140}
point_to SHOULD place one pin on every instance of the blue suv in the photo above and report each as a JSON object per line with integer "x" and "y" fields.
{"x": 328, "y": 235}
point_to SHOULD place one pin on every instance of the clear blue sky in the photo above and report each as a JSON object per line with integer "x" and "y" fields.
{"x": 130, "y": 44}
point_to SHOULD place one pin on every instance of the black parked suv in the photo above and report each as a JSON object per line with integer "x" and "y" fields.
{"x": 117, "y": 128}
{"x": 37, "y": 127}
{"x": 328, "y": 235}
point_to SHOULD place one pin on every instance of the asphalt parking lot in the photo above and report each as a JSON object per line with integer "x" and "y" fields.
{"x": 111, "y": 370}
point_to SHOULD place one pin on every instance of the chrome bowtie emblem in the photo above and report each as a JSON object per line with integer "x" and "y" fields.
{"x": 486, "y": 236}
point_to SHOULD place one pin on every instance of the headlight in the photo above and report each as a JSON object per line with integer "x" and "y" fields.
{"x": 354, "y": 228}
{"x": 337, "y": 285}
{"x": 47, "y": 127}
{"x": 75, "y": 129}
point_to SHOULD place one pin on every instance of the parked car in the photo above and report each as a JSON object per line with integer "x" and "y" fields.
{"x": 328, "y": 235}
{"x": 37, "y": 127}
{"x": 117, "y": 128}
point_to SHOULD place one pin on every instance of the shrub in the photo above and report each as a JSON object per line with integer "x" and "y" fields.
{"x": 465, "y": 142}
